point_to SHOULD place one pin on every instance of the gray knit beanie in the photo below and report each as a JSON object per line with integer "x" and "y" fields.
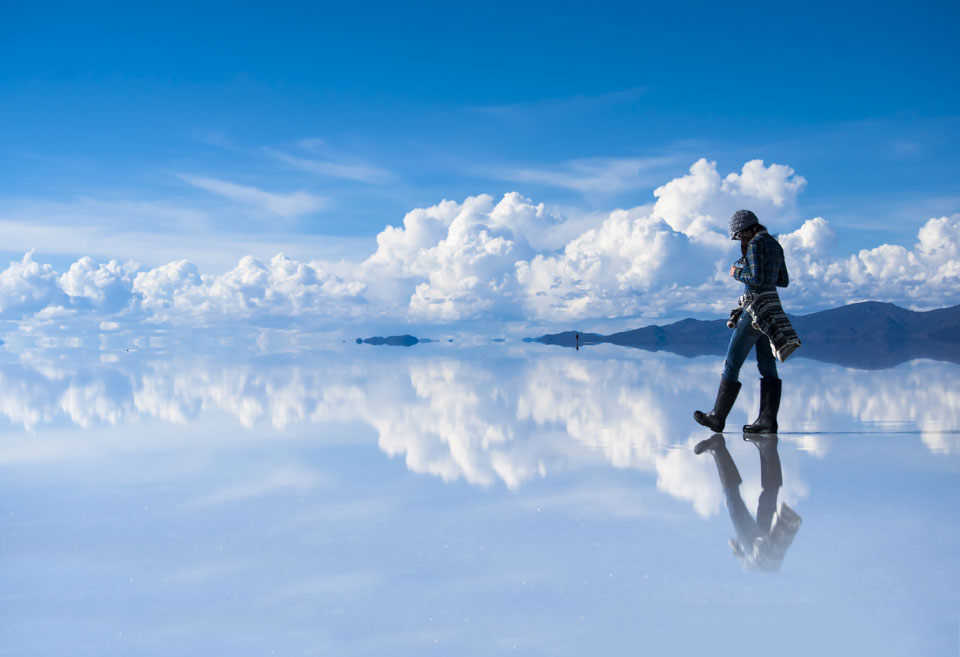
{"x": 741, "y": 220}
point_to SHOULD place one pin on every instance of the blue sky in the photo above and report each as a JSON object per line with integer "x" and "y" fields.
{"x": 155, "y": 132}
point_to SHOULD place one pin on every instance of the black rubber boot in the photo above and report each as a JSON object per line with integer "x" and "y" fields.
{"x": 712, "y": 443}
{"x": 717, "y": 418}
{"x": 771, "y": 474}
{"x": 769, "y": 407}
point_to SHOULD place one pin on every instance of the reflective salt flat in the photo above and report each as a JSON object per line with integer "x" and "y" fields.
{"x": 464, "y": 500}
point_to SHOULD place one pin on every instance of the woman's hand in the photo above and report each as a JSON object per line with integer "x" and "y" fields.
{"x": 733, "y": 270}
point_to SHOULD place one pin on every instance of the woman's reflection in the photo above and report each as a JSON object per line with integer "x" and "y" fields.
{"x": 760, "y": 544}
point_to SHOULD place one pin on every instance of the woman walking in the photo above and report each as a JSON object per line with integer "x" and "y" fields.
{"x": 763, "y": 324}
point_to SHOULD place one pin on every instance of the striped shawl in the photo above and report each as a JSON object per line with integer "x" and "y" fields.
{"x": 769, "y": 318}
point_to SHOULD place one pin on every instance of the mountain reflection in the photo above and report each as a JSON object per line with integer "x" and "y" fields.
{"x": 491, "y": 420}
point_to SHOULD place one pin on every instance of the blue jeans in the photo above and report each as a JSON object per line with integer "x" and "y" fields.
{"x": 744, "y": 337}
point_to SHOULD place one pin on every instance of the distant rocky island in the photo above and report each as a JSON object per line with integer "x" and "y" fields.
{"x": 866, "y": 335}
{"x": 397, "y": 340}
{"x": 392, "y": 341}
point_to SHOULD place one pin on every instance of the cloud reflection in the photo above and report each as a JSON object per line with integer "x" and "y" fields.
{"x": 485, "y": 421}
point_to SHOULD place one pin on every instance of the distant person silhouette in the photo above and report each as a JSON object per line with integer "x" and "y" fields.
{"x": 760, "y": 544}
{"x": 761, "y": 269}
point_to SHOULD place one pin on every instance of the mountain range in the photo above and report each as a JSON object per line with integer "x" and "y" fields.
{"x": 866, "y": 335}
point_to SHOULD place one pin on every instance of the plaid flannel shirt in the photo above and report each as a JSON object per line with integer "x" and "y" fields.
{"x": 763, "y": 268}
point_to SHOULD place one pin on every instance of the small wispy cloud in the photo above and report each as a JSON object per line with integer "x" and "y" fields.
{"x": 360, "y": 172}
{"x": 289, "y": 480}
{"x": 312, "y": 143}
{"x": 560, "y": 106}
{"x": 289, "y": 206}
{"x": 156, "y": 232}
{"x": 596, "y": 175}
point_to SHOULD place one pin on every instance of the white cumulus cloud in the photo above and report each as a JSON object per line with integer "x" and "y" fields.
{"x": 280, "y": 287}
{"x": 460, "y": 259}
{"x": 702, "y": 201}
{"x": 108, "y": 286}
{"x": 28, "y": 286}
{"x": 485, "y": 258}
{"x": 926, "y": 275}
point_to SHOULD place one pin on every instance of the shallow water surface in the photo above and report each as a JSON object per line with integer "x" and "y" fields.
{"x": 469, "y": 501}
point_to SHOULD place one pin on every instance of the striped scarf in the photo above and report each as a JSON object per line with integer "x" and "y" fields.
{"x": 769, "y": 318}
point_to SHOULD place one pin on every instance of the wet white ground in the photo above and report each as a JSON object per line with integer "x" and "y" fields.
{"x": 468, "y": 501}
